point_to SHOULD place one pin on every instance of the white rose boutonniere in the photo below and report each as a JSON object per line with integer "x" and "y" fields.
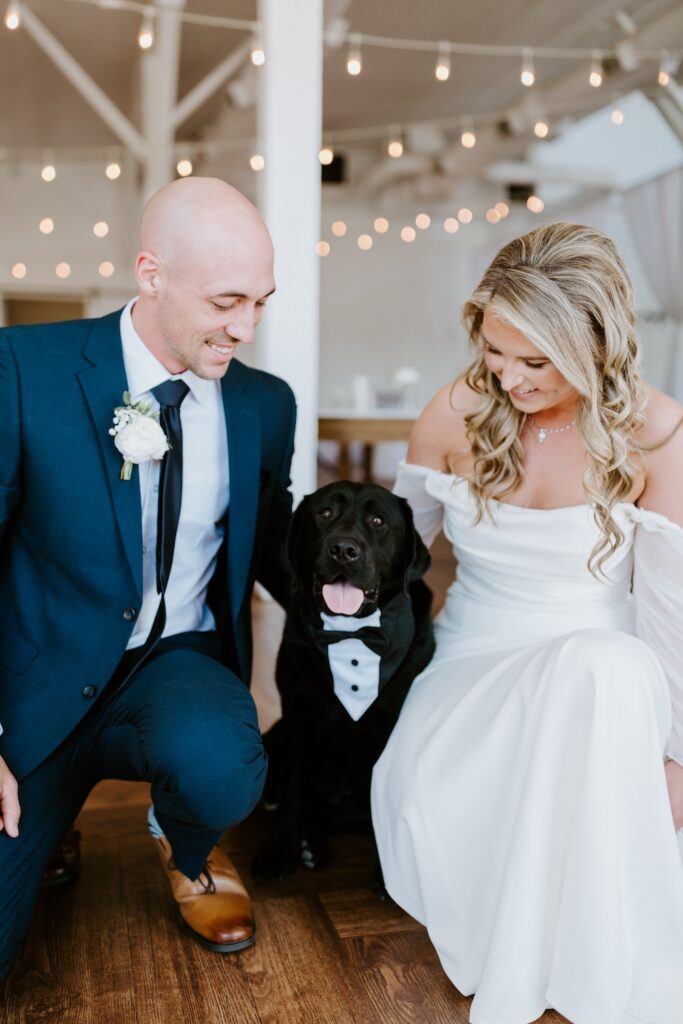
{"x": 137, "y": 434}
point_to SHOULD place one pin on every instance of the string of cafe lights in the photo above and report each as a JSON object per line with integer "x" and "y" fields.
{"x": 63, "y": 269}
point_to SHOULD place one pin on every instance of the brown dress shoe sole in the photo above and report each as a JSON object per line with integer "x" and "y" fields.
{"x": 225, "y": 947}
{"x": 64, "y": 879}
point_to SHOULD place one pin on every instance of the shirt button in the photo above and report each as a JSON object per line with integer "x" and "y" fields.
{"x": 354, "y": 687}
{"x": 89, "y": 691}
{"x": 129, "y": 614}
{"x": 354, "y": 662}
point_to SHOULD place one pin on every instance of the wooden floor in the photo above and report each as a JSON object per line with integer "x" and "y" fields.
{"x": 108, "y": 949}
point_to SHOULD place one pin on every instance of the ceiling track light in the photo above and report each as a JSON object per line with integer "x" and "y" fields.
{"x": 595, "y": 76}
{"x": 354, "y": 61}
{"x": 258, "y": 54}
{"x": 442, "y": 71}
{"x": 527, "y": 75}
{"x": 666, "y": 68}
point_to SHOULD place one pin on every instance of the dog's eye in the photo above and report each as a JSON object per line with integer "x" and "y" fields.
{"x": 377, "y": 521}
{"x": 325, "y": 513}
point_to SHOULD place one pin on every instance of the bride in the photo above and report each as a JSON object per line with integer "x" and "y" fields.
{"x": 527, "y": 802}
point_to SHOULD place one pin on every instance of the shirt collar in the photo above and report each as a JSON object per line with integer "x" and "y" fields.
{"x": 143, "y": 369}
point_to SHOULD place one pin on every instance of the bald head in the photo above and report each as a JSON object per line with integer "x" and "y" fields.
{"x": 204, "y": 272}
{"x": 193, "y": 216}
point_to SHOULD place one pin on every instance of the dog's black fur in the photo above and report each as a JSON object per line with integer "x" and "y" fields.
{"x": 320, "y": 758}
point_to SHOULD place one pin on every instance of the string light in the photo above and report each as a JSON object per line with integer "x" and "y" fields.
{"x": 492, "y": 216}
{"x": 146, "y": 33}
{"x": 595, "y": 76}
{"x": 113, "y": 170}
{"x": 535, "y": 204}
{"x": 464, "y": 215}
{"x": 617, "y": 116}
{"x": 101, "y": 229}
{"x": 422, "y": 221}
{"x": 339, "y": 229}
{"x": 395, "y": 148}
{"x": 502, "y": 209}
{"x": 365, "y": 242}
{"x": 408, "y": 234}
{"x": 62, "y": 270}
{"x": 665, "y": 68}
{"x": 12, "y": 22}
{"x": 256, "y": 162}
{"x": 326, "y": 155}
{"x": 468, "y": 139}
{"x": 381, "y": 225}
{"x": 354, "y": 61}
{"x": 48, "y": 172}
{"x": 442, "y": 71}
{"x": 19, "y": 271}
{"x": 322, "y": 248}
{"x": 46, "y": 226}
{"x": 527, "y": 76}
{"x": 541, "y": 130}
{"x": 450, "y": 225}
{"x": 184, "y": 168}
{"x": 106, "y": 269}
{"x": 258, "y": 54}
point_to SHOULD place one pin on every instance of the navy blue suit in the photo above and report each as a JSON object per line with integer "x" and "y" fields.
{"x": 71, "y": 587}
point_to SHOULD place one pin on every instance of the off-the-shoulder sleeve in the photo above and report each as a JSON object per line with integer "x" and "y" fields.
{"x": 658, "y": 593}
{"x": 427, "y": 510}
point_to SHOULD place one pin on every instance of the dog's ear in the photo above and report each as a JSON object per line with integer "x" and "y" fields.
{"x": 294, "y": 548}
{"x": 417, "y": 557}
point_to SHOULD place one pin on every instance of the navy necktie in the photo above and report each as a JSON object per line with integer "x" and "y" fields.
{"x": 170, "y": 396}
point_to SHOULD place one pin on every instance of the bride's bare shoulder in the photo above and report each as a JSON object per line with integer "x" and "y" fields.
{"x": 662, "y": 440}
{"x": 440, "y": 429}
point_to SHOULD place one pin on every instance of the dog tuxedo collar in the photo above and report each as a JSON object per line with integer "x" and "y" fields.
{"x": 364, "y": 654}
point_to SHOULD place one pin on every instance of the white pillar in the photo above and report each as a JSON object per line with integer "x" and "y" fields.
{"x": 290, "y": 122}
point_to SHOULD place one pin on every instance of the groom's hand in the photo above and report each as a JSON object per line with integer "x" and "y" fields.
{"x": 9, "y": 802}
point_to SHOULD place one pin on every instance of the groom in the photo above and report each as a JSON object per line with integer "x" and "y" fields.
{"x": 125, "y": 640}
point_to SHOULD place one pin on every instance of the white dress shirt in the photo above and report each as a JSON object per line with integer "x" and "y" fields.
{"x": 354, "y": 667}
{"x": 205, "y": 493}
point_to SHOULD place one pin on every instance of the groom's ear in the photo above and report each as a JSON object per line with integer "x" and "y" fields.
{"x": 147, "y": 273}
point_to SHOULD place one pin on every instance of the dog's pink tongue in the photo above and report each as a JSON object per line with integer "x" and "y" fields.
{"x": 342, "y": 598}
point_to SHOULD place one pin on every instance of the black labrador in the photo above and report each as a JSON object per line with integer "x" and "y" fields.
{"x": 358, "y": 632}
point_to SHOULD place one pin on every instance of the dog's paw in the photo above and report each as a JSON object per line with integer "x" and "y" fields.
{"x": 274, "y": 863}
{"x": 314, "y": 853}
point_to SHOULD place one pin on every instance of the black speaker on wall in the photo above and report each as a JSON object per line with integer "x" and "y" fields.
{"x": 519, "y": 192}
{"x": 334, "y": 173}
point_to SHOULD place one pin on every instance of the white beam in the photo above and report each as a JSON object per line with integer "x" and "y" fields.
{"x": 290, "y": 116}
{"x": 84, "y": 84}
{"x": 159, "y": 81}
{"x": 201, "y": 92}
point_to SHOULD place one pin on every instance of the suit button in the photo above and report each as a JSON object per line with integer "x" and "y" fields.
{"x": 129, "y": 614}
{"x": 89, "y": 691}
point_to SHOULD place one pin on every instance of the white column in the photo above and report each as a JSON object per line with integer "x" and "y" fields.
{"x": 159, "y": 81}
{"x": 290, "y": 121}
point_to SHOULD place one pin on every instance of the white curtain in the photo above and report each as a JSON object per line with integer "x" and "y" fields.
{"x": 654, "y": 213}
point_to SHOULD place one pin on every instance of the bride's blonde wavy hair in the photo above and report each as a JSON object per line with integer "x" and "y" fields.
{"x": 564, "y": 286}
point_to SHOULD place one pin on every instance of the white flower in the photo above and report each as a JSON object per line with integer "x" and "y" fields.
{"x": 137, "y": 435}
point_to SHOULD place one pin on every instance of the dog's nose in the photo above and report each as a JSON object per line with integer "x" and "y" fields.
{"x": 344, "y": 551}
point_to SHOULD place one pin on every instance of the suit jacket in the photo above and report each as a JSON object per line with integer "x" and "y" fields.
{"x": 71, "y": 533}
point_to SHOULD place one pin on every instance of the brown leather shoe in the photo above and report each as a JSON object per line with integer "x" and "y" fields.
{"x": 65, "y": 862}
{"x": 215, "y": 908}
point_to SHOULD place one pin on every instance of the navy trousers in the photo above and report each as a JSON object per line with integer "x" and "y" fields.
{"x": 184, "y": 723}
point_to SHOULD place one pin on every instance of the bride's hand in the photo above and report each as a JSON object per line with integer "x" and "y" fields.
{"x": 674, "y": 782}
{"x": 9, "y": 802}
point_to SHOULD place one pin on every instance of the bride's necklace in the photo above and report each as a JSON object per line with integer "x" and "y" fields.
{"x": 544, "y": 431}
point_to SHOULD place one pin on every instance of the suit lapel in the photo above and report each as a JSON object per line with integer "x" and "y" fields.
{"x": 244, "y": 455}
{"x": 103, "y": 384}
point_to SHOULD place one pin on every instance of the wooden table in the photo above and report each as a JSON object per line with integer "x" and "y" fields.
{"x": 367, "y": 427}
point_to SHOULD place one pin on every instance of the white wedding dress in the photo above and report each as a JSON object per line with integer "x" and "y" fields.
{"x": 520, "y": 806}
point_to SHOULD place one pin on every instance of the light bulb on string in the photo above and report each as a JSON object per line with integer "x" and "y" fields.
{"x": 502, "y": 209}
{"x": 365, "y": 242}
{"x": 527, "y": 75}
{"x": 465, "y": 215}
{"x": 63, "y": 270}
{"x": 184, "y": 168}
{"x": 492, "y": 216}
{"x": 595, "y": 76}
{"x": 442, "y": 70}
{"x": 617, "y": 116}
{"x": 19, "y": 271}
{"x": 665, "y": 70}
{"x": 541, "y": 130}
{"x": 257, "y": 162}
{"x": 339, "y": 229}
{"x": 451, "y": 225}
{"x": 395, "y": 146}
{"x": 322, "y": 248}
{"x": 381, "y": 225}
{"x": 258, "y": 54}
{"x": 354, "y": 61}
{"x": 422, "y": 221}
{"x": 468, "y": 139}
{"x": 326, "y": 156}
{"x": 113, "y": 170}
{"x": 49, "y": 172}
{"x": 146, "y": 33}
{"x": 12, "y": 18}
{"x": 535, "y": 204}
{"x": 106, "y": 269}
{"x": 46, "y": 226}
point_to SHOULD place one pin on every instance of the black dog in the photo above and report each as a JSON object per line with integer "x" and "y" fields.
{"x": 358, "y": 632}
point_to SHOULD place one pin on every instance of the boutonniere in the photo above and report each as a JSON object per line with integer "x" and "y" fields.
{"x": 137, "y": 434}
